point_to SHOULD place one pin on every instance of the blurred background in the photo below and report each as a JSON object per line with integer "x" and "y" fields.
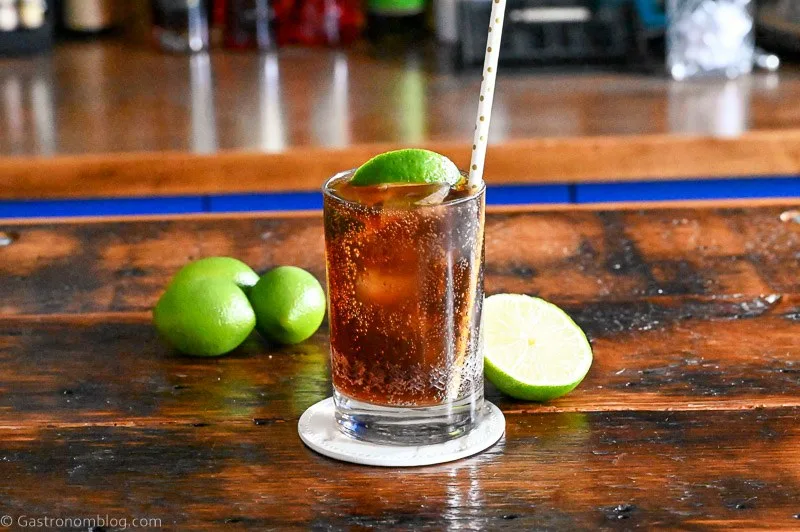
{"x": 99, "y": 96}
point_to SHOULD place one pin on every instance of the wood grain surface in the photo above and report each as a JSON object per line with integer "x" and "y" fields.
{"x": 561, "y": 254}
{"x": 565, "y": 471}
{"x": 108, "y": 119}
{"x": 111, "y": 367}
{"x": 523, "y": 161}
{"x": 688, "y": 418}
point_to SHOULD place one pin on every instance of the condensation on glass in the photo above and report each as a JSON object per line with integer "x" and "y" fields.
{"x": 405, "y": 292}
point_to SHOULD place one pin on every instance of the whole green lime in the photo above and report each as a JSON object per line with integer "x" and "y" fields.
{"x": 407, "y": 166}
{"x": 204, "y": 317}
{"x": 218, "y": 268}
{"x": 289, "y": 303}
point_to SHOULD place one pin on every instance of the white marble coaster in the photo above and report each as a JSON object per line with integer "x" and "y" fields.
{"x": 318, "y": 429}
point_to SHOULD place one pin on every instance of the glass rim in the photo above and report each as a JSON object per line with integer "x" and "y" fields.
{"x": 328, "y": 191}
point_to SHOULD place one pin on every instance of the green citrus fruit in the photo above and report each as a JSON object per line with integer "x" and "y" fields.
{"x": 204, "y": 317}
{"x": 533, "y": 350}
{"x": 289, "y": 304}
{"x": 407, "y": 166}
{"x": 218, "y": 268}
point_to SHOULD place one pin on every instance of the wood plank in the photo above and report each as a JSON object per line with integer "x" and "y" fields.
{"x": 561, "y": 254}
{"x": 687, "y": 470}
{"x": 553, "y": 160}
{"x": 664, "y": 353}
{"x": 90, "y": 99}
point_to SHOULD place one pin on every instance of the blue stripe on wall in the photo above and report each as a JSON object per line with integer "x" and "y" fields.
{"x": 496, "y": 195}
{"x": 100, "y": 207}
{"x": 513, "y": 194}
{"x": 684, "y": 190}
{"x": 285, "y": 201}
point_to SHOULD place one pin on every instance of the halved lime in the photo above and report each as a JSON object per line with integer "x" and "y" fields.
{"x": 407, "y": 166}
{"x": 533, "y": 350}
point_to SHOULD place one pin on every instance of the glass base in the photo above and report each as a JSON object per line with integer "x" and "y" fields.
{"x": 424, "y": 425}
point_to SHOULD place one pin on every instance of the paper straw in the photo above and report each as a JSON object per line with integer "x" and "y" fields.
{"x": 479, "y": 142}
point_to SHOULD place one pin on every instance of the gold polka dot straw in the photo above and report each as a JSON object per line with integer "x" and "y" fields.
{"x": 487, "y": 94}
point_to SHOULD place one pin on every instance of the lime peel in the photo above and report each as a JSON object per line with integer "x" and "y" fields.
{"x": 218, "y": 267}
{"x": 411, "y": 165}
{"x": 206, "y": 316}
{"x": 289, "y": 304}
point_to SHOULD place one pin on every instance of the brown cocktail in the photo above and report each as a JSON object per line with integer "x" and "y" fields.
{"x": 405, "y": 290}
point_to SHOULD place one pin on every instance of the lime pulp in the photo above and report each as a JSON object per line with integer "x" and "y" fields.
{"x": 533, "y": 350}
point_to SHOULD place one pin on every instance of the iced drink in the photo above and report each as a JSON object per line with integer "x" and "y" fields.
{"x": 405, "y": 290}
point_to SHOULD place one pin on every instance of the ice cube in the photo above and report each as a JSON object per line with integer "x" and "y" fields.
{"x": 383, "y": 287}
{"x": 369, "y": 196}
{"x": 436, "y": 197}
{"x": 410, "y": 194}
{"x": 395, "y": 195}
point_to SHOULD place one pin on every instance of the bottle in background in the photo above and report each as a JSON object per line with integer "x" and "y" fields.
{"x": 26, "y": 26}
{"x": 88, "y": 18}
{"x": 248, "y": 24}
{"x": 392, "y": 22}
{"x": 710, "y": 38}
{"x": 318, "y": 22}
{"x": 217, "y": 11}
{"x": 445, "y": 23}
{"x": 32, "y": 14}
{"x": 136, "y": 22}
{"x": 9, "y": 16}
{"x": 180, "y": 25}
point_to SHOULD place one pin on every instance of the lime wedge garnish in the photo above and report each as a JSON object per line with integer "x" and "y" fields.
{"x": 407, "y": 166}
{"x": 533, "y": 350}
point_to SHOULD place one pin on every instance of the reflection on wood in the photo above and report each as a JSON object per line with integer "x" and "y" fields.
{"x": 276, "y": 118}
{"x": 109, "y": 96}
{"x": 700, "y": 355}
{"x": 555, "y": 471}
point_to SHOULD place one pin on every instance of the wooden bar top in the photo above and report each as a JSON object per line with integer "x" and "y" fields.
{"x": 108, "y": 119}
{"x": 110, "y": 96}
{"x": 689, "y": 417}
